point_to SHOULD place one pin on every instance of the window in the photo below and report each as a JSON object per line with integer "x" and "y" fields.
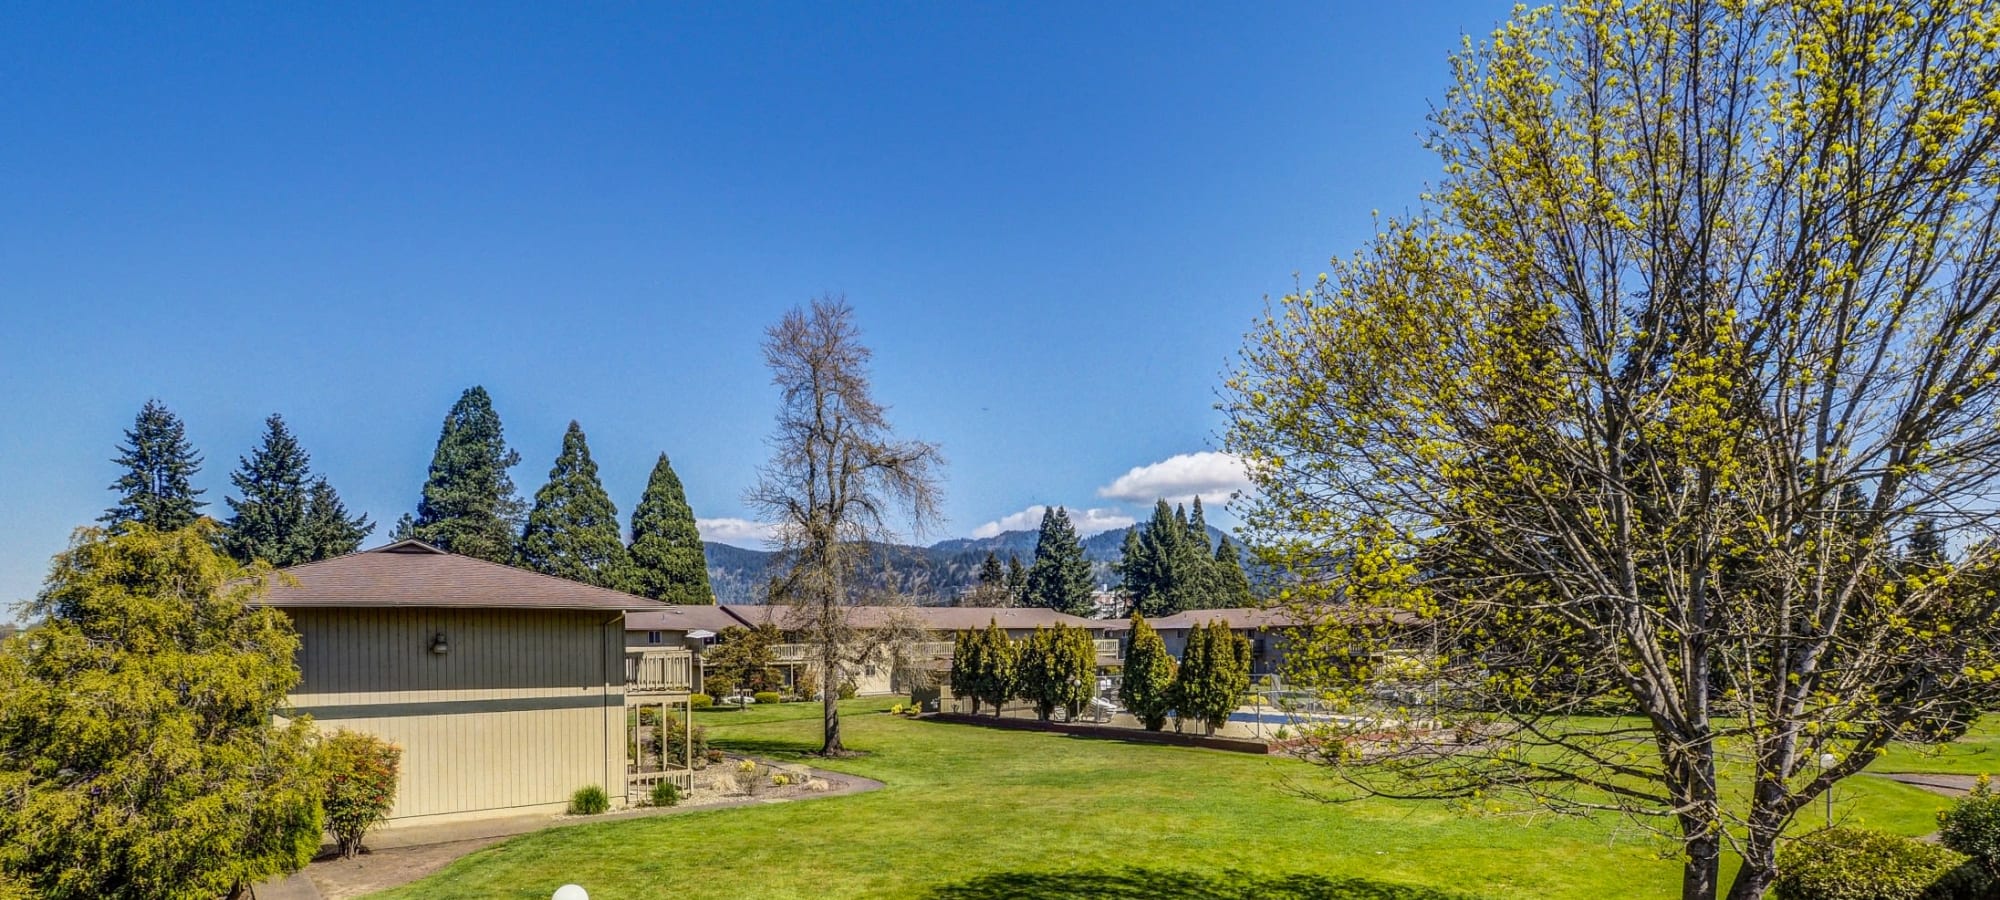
{"x": 652, "y": 637}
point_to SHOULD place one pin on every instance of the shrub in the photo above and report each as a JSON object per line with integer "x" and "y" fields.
{"x": 807, "y": 689}
{"x": 666, "y": 793}
{"x": 714, "y": 756}
{"x": 896, "y": 710}
{"x": 1856, "y": 864}
{"x": 766, "y": 697}
{"x": 360, "y": 785}
{"x": 779, "y": 779}
{"x": 847, "y": 690}
{"x": 1972, "y": 826}
{"x": 588, "y": 801}
{"x": 701, "y": 701}
{"x": 747, "y": 777}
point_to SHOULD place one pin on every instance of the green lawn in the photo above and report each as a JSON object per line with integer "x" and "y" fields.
{"x": 1977, "y": 753}
{"x": 971, "y": 813}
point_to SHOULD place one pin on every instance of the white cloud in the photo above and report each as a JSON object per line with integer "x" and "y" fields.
{"x": 1209, "y": 475}
{"x": 737, "y": 532}
{"x": 1087, "y": 521}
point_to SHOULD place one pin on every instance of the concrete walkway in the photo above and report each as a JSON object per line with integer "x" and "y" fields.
{"x": 397, "y": 856}
{"x": 1948, "y": 785}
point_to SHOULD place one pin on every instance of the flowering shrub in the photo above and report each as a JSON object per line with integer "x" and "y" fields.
{"x": 747, "y": 777}
{"x": 360, "y": 785}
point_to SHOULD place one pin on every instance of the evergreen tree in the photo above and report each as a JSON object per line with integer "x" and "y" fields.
{"x": 1926, "y": 546}
{"x": 666, "y": 545}
{"x": 1199, "y": 587}
{"x": 285, "y": 515}
{"x": 1077, "y": 658}
{"x": 990, "y": 573}
{"x": 1017, "y": 578}
{"x": 993, "y": 680}
{"x": 159, "y": 464}
{"x": 469, "y": 506}
{"x": 265, "y": 522}
{"x": 329, "y": 530}
{"x": 142, "y": 738}
{"x": 1232, "y": 585}
{"x": 968, "y": 662}
{"x": 1198, "y": 527}
{"x": 1148, "y": 686}
{"x": 1034, "y": 678}
{"x": 1165, "y": 569}
{"x": 1214, "y": 673}
{"x": 573, "y": 530}
{"x": 1060, "y": 576}
{"x": 990, "y": 587}
{"x": 1057, "y": 668}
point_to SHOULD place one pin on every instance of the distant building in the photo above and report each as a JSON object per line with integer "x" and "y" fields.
{"x": 694, "y": 627}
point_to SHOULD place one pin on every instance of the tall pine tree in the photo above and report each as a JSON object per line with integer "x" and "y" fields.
{"x": 469, "y": 505}
{"x": 990, "y": 572}
{"x": 1231, "y": 582}
{"x": 1200, "y": 589}
{"x": 285, "y": 515}
{"x": 666, "y": 546}
{"x": 159, "y": 464}
{"x": 1017, "y": 578}
{"x": 1060, "y": 576}
{"x": 330, "y": 531}
{"x": 1166, "y": 570}
{"x": 573, "y": 530}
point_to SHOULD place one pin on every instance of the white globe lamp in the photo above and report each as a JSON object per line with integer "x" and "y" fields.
{"x": 571, "y": 892}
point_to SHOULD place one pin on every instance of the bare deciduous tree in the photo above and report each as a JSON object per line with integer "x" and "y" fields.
{"x": 838, "y": 481}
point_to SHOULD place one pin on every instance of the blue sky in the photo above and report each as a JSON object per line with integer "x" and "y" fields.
{"x": 1055, "y": 222}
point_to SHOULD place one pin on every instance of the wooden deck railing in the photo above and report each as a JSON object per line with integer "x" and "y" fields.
{"x": 659, "y": 671}
{"x": 639, "y": 785}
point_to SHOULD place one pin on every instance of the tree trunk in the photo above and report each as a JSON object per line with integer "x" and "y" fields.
{"x": 1702, "y": 868}
{"x": 1752, "y": 881}
{"x": 1760, "y": 845}
{"x": 830, "y": 696}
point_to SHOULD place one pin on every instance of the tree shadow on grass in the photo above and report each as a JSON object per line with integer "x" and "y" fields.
{"x": 767, "y": 747}
{"x": 1159, "y": 884}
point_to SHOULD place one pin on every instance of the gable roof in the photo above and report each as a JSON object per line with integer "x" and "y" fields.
{"x": 413, "y": 574}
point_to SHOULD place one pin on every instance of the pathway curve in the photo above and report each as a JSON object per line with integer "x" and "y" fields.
{"x": 1948, "y": 785}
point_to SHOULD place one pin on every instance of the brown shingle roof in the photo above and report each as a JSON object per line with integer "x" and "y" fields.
{"x": 416, "y": 574}
{"x": 682, "y": 618}
{"x": 935, "y": 618}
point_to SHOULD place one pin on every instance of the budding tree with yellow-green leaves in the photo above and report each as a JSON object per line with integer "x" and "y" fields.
{"x": 1637, "y": 408}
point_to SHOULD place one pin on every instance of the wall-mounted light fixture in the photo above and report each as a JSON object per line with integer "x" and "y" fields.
{"x": 439, "y": 646}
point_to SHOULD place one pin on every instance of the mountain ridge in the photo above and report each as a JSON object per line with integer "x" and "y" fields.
{"x": 739, "y": 574}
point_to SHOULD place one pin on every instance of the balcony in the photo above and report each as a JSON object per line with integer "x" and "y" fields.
{"x": 796, "y": 654}
{"x": 658, "y": 671}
